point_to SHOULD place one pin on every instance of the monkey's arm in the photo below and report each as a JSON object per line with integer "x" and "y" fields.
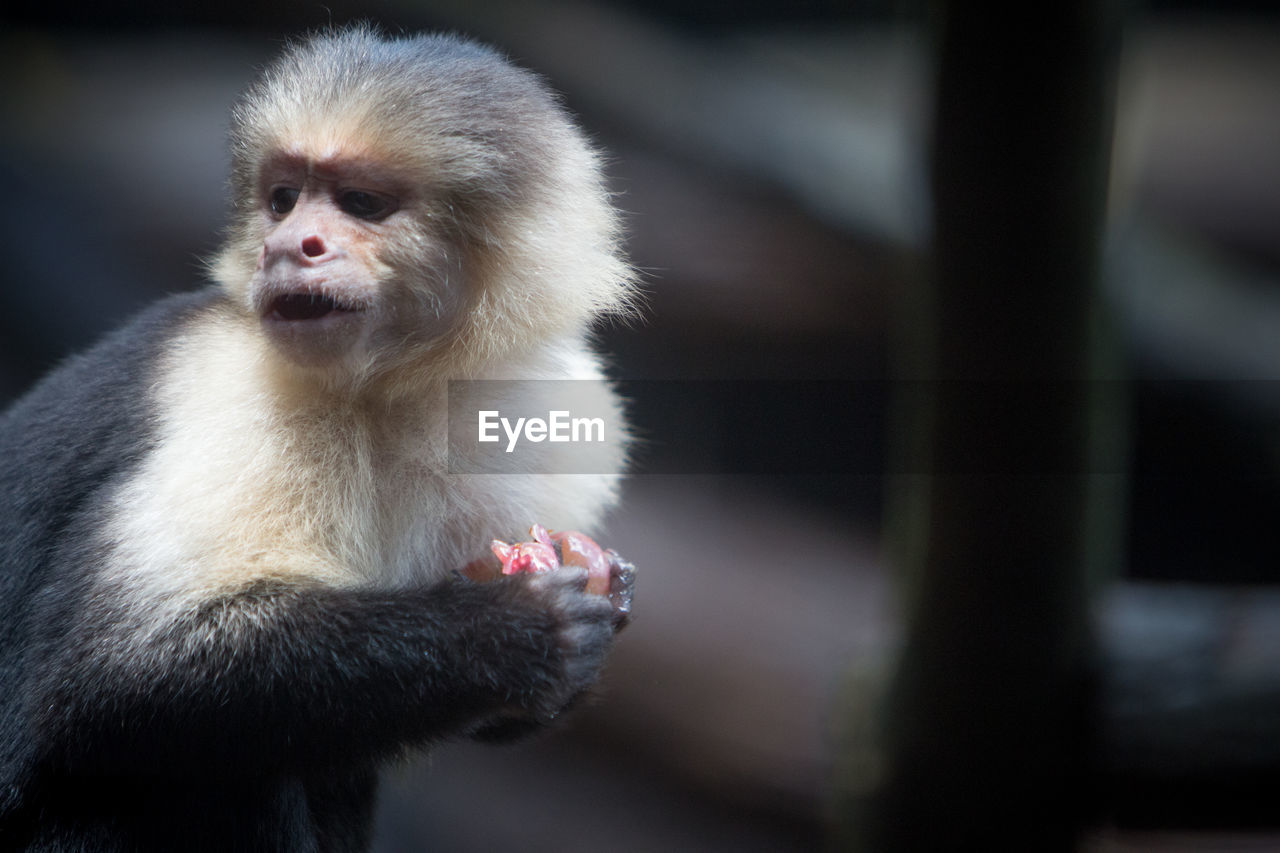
{"x": 283, "y": 677}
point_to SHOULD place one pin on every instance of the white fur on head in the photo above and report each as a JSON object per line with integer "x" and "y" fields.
{"x": 504, "y": 175}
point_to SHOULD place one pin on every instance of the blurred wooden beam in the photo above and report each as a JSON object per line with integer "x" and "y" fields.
{"x": 988, "y": 744}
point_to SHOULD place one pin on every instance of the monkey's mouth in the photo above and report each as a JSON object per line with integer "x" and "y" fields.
{"x": 296, "y": 307}
{"x": 314, "y": 323}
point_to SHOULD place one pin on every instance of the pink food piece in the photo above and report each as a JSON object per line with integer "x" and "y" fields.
{"x": 578, "y": 549}
{"x": 546, "y": 552}
{"x": 531, "y": 557}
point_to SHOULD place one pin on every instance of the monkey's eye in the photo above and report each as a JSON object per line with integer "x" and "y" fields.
{"x": 283, "y": 199}
{"x": 363, "y": 204}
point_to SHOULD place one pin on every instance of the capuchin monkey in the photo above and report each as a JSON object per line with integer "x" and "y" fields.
{"x": 230, "y": 541}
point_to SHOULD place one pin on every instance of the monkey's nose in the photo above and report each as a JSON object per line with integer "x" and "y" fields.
{"x": 313, "y": 247}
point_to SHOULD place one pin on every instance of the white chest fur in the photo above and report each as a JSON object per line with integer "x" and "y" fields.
{"x": 246, "y": 482}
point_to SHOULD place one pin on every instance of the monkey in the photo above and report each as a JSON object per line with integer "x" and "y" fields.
{"x": 231, "y": 542}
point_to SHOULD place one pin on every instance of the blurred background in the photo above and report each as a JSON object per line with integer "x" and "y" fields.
{"x": 772, "y": 159}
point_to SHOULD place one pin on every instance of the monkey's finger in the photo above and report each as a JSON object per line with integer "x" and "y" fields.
{"x": 622, "y": 588}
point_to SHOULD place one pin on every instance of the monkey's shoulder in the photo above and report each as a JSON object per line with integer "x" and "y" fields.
{"x": 102, "y": 388}
{"x": 72, "y": 438}
{"x": 90, "y": 418}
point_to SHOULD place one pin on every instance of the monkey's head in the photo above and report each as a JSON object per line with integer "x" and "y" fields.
{"x": 417, "y": 206}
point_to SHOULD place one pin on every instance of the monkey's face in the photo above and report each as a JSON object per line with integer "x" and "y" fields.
{"x": 348, "y": 269}
{"x": 414, "y": 211}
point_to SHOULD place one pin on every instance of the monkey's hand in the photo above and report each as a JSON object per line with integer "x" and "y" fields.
{"x": 622, "y": 588}
{"x": 584, "y": 626}
{"x": 296, "y": 675}
{"x": 607, "y": 573}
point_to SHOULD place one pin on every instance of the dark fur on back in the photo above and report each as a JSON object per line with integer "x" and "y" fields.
{"x": 61, "y": 445}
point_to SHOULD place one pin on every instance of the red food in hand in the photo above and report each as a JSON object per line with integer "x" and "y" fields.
{"x": 543, "y": 555}
{"x": 531, "y": 557}
{"x": 578, "y": 549}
